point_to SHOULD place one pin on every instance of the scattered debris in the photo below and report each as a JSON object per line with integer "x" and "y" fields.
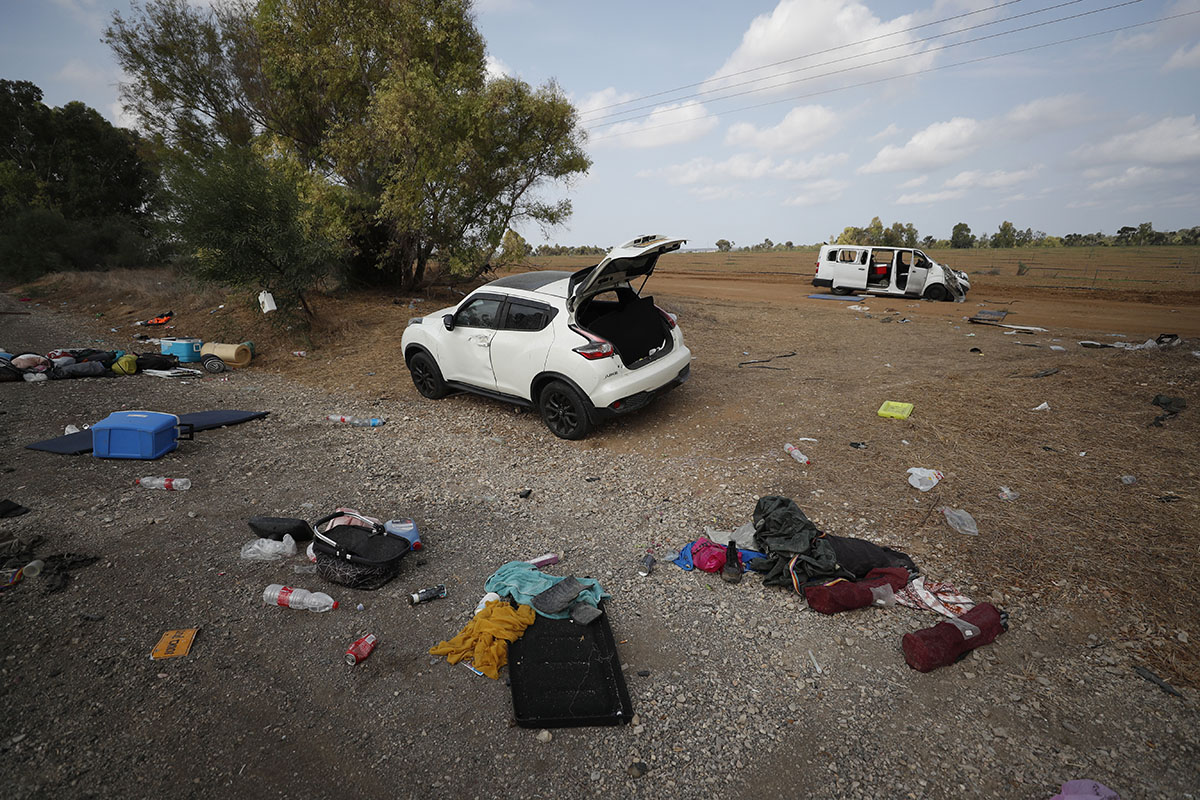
{"x": 1039, "y": 374}
{"x": 1171, "y": 407}
{"x": 1008, "y": 494}
{"x": 1157, "y": 681}
{"x": 923, "y": 479}
{"x": 1043, "y": 407}
{"x": 960, "y": 520}
{"x": 174, "y": 644}
{"x": 766, "y": 360}
{"x": 894, "y": 410}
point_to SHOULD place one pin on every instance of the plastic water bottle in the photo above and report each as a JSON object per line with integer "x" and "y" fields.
{"x": 359, "y": 422}
{"x": 170, "y": 484}
{"x": 795, "y": 453}
{"x": 279, "y": 595}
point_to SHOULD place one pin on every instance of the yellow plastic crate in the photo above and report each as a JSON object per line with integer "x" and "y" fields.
{"x": 893, "y": 410}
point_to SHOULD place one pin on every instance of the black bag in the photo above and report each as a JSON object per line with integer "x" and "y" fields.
{"x": 156, "y": 361}
{"x": 8, "y": 372}
{"x": 359, "y": 556}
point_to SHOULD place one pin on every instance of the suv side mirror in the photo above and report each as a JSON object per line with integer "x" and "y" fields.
{"x": 448, "y": 321}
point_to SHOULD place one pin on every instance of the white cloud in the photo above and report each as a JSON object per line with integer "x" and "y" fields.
{"x": 600, "y": 103}
{"x": 887, "y": 133}
{"x": 670, "y": 124}
{"x": 122, "y": 118}
{"x": 1131, "y": 176}
{"x": 939, "y": 144}
{"x": 803, "y": 128}
{"x": 820, "y": 27}
{"x": 1048, "y": 113}
{"x": 498, "y": 6}
{"x": 711, "y": 193}
{"x": 495, "y": 68}
{"x": 745, "y": 167}
{"x": 1184, "y": 58}
{"x": 740, "y": 167}
{"x": 997, "y": 179}
{"x": 1171, "y": 140}
{"x": 77, "y": 72}
{"x": 914, "y": 183}
{"x": 929, "y": 197}
{"x": 815, "y": 167}
{"x": 822, "y": 191}
{"x": 85, "y": 12}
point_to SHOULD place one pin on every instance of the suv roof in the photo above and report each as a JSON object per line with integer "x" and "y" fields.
{"x": 530, "y": 281}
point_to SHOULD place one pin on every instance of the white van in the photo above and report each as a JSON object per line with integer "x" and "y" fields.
{"x": 897, "y": 271}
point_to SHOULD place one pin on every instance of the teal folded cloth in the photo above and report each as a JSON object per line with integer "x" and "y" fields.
{"x": 522, "y": 581}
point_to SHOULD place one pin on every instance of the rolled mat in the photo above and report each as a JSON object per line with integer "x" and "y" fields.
{"x": 212, "y": 363}
{"x": 946, "y": 642}
{"x": 234, "y": 355}
{"x": 843, "y": 595}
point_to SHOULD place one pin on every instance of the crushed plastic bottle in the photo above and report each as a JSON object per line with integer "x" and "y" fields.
{"x": 795, "y": 453}
{"x": 170, "y": 484}
{"x": 279, "y": 595}
{"x": 960, "y": 520}
{"x": 359, "y": 422}
{"x": 923, "y": 479}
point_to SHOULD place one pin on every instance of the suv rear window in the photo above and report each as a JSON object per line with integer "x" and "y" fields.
{"x": 526, "y": 316}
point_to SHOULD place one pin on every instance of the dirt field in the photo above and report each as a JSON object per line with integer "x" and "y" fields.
{"x": 1096, "y": 573}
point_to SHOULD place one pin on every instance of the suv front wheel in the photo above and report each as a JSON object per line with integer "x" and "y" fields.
{"x": 564, "y": 411}
{"x": 426, "y": 376}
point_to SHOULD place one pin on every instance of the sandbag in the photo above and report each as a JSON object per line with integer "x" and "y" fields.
{"x": 234, "y": 355}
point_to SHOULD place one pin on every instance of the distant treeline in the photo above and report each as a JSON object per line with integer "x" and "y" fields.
{"x": 905, "y": 234}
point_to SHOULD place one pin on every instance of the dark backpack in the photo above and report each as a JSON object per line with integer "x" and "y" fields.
{"x": 8, "y": 372}
{"x": 156, "y": 361}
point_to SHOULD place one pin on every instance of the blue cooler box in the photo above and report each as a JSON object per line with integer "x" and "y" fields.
{"x": 188, "y": 350}
{"x": 136, "y": 434}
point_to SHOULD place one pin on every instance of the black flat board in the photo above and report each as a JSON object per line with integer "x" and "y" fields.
{"x": 566, "y": 675}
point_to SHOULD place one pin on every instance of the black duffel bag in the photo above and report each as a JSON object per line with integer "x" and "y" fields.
{"x": 359, "y": 556}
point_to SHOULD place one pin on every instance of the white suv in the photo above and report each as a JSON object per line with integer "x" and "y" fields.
{"x": 580, "y": 347}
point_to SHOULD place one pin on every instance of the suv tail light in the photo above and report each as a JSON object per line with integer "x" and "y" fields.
{"x": 669, "y": 317}
{"x": 596, "y": 348}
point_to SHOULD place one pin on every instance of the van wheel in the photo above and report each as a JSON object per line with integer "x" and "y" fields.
{"x": 426, "y": 376}
{"x": 841, "y": 291}
{"x": 564, "y": 411}
{"x": 937, "y": 292}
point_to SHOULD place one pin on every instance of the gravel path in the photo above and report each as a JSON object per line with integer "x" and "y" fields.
{"x": 748, "y": 693}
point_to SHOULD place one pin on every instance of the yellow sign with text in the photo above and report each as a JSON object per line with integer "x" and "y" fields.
{"x": 174, "y": 643}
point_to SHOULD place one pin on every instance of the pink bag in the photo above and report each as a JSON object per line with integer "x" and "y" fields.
{"x": 707, "y": 555}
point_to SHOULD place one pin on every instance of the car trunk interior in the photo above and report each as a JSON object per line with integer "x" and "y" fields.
{"x": 633, "y": 325}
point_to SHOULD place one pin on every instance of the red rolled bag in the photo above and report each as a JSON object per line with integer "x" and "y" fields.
{"x": 948, "y": 641}
{"x": 843, "y": 595}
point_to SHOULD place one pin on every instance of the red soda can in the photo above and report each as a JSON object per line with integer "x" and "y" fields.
{"x": 360, "y": 649}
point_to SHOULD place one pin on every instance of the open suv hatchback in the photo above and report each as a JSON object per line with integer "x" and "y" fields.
{"x": 580, "y": 347}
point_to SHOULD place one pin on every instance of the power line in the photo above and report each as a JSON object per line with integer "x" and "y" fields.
{"x": 898, "y": 58}
{"x": 835, "y": 61}
{"x": 913, "y": 73}
{"x": 807, "y": 55}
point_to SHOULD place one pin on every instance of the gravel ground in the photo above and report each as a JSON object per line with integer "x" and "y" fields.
{"x": 748, "y": 694}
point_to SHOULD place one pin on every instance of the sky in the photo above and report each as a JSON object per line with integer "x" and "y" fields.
{"x": 792, "y": 120}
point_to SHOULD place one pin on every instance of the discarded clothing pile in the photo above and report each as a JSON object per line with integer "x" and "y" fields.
{"x": 484, "y": 640}
{"x": 798, "y": 553}
{"x": 551, "y": 596}
{"x": 80, "y": 363}
{"x": 708, "y": 556}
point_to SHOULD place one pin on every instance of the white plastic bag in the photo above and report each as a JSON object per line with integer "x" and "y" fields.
{"x": 923, "y": 479}
{"x": 269, "y": 549}
{"x": 960, "y": 520}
